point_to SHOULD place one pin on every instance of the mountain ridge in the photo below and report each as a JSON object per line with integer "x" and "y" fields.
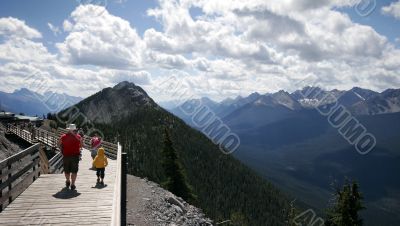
{"x": 31, "y": 103}
{"x": 358, "y": 100}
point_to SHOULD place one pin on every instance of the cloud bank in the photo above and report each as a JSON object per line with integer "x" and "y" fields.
{"x": 227, "y": 48}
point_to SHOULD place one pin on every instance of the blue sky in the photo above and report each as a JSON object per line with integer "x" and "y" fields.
{"x": 213, "y": 48}
{"x": 38, "y": 13}
{"x": 383, "y": 24}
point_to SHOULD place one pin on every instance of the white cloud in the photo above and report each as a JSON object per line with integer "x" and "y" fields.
{"x": 166, "y": 60}
{"x": 265, "y": 45}
{"x": 392, "y": 10}
{"x": 14, "y": 27}
{"x": 100, "y": 39}
{"x": 23, "y": 59}
{"x": 18, "y": 42}
{"x": 137, "y": 77}
{"x": 23, "y": 50}
{"x": 67, "y": 26}
{"x": 231, "y": 48}
{"x": 64, "y": 78}
{"x": 56, "y": 30}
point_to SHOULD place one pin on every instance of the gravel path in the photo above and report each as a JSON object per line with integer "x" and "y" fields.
{"x": 149, "y": 205}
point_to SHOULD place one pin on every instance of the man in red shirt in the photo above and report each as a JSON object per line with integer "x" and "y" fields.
{"x": 70, "y": 146}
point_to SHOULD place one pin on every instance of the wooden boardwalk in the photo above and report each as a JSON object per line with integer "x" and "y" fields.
{"x": 48, "y": 202}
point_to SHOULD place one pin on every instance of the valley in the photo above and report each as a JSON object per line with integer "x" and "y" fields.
{"x": 290, "y": 143}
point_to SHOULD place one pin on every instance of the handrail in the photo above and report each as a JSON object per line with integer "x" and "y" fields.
{"x": 41, "y": 136}
{"x": 10, "y": 160}
{"x": 25, "y": 135}
{"x": 12, "y": 169}
{"x": 56, "y": 163}
{"x": 119, "y": 200}
{"x": 51, "y": 139}
{"x": 116, "y": 213}
{"x": 111, "y": 149}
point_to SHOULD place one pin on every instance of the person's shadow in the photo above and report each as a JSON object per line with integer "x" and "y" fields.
{"x": 99, "y": 186}
{"x": 66, "y": 193}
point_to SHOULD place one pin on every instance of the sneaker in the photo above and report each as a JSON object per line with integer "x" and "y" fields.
{"x": 102, "y": 183}
{"x": 73, "y": 187}
{"x": 67, "y": 184}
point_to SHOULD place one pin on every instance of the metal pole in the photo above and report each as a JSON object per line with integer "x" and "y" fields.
{"x": 123, "y": 188}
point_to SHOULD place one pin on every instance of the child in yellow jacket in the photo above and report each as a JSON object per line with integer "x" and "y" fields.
{"x": 100, "y": 162}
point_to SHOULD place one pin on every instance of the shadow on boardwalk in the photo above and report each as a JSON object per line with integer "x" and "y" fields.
{"x": 99, "y": 186}
{"x": 65, "y": 193}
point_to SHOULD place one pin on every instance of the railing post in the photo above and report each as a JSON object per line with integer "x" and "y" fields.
{"x": 44, "y": 161}
{"x": 33, "y": 134}
{"x": 10, "y": 185}
{"x": 1, "y": 190}
{"x": 123, "y": 188}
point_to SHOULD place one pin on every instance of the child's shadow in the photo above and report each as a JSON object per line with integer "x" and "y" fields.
{"x": 99, "y": 186}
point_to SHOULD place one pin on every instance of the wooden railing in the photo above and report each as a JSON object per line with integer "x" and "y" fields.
{"x": 22, "y": 133}
{"x": 56, "y": 164}
{"x": 119, "y": 200}
{"x": 44, "y": 136}
{"x": 18, "y": 172}
{"x": 111, "y": 149}
{"x": 35, "y": 135}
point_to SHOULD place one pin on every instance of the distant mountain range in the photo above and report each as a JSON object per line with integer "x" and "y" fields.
{"x": 359, "y": 101}
{"x": 289, "y": 142}
{"x": 31, "y": 103}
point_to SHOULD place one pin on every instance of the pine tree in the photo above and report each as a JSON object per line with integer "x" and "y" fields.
{"x": 348, "y": 202}
{"x": 238, "y": 219}
{"x": 175, "y": 175}
{"x": 291, "y": 215}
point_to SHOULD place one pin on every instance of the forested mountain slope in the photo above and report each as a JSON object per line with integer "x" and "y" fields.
{"x": 225, "y": 188}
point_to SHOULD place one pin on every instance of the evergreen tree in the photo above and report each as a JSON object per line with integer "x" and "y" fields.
{"x": 291, "y": 215}
{"x": 238, "y": 219}
{"x": 175, "y": 176}
{"x": 348, "y": 202}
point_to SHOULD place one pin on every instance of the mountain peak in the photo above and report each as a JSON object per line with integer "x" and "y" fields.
{"x": 254, "y": 95}
{"x": 124, "y": 84}
{"x": 23, "y": 91}
{"x": 114, "y": 103}
{"x": 228, "y": 100}
{"x": 362, "y": 90}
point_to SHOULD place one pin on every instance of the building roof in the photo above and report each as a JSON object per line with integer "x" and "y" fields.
{"x": 4, "y": 114}
{"x": 30, "y": 118}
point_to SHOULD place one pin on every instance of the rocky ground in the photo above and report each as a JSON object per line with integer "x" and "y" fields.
{"x": 149, "y": 204}
{"x": 7, "y": 148}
